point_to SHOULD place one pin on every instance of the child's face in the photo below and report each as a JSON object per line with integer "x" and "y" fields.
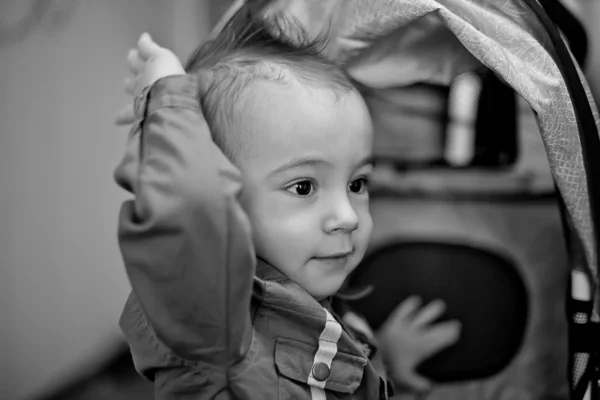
{"x": 305, "y": 190}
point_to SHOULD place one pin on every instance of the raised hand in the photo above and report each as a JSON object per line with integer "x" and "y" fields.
{"x": 148, "y": 62}
{"x": 408, "y": 337}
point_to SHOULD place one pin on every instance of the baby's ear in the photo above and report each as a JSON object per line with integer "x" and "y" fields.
{"x": 315, "y": 17}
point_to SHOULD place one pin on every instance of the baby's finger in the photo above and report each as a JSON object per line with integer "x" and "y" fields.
{"x": 125, "y": 116}
{"x": 130, "y": 85}
{"x": 443, "y": 335}
{"x": 407, "y": 307}
{"x": 429, "y": 313}
{"x": 415, "y": 382}
{"x": 134, "y": 61}
{"x": 147, "y": 47}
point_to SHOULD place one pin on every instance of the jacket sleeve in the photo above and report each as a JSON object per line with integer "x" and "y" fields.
{"x": 185, "y": 240}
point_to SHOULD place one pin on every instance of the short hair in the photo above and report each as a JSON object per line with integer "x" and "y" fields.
{"x": 253, "y": 48}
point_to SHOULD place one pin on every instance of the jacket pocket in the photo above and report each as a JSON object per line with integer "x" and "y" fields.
{"x": 300, "y": 375}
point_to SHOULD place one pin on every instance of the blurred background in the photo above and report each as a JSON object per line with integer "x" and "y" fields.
{"x": 62, "y": 283}
{"x": 62, "y": 288}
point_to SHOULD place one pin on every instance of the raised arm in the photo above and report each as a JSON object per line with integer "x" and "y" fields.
{"x": 185, "y": 240}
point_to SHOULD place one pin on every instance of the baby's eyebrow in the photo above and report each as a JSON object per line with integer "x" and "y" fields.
{"x": 315, "y": 162}
{"x": 367, "y": 161}
{"x": 301, "y": 162}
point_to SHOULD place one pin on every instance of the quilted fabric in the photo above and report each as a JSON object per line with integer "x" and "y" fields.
{"x": 503, "y": 35}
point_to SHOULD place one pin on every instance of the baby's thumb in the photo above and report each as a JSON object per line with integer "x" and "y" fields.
{"x": 147, "y": 47}
{"x": 445, "y": 333}
{"x": 125, "y": 116}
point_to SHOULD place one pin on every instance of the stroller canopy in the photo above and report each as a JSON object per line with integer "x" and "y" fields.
{"x": 386, "y": 44}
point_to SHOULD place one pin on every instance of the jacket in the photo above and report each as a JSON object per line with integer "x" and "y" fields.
{"x": 206, "y": 318}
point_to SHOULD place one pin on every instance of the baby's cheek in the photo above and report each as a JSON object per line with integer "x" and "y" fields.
{"x": 365, "y": 226}
{"x": 297, "y": 229}
{"x": 281, "y": 238}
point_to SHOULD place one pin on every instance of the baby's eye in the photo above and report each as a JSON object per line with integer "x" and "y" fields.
{"x": 359, "y": 185}
{"x": 304, "y": 188}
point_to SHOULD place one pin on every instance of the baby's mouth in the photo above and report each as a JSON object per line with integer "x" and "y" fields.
{"x": 336, "y": 256}
{"x": 335, "y": 260}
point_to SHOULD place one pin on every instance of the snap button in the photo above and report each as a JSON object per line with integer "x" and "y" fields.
{"x": 320, "y": 371}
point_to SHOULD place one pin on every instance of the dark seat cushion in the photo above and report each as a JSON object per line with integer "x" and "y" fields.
{"x": 481, "y": 289}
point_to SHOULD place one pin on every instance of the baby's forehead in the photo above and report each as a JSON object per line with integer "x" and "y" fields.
{"x": 291, "y": 117}
{"x": 323, "y": 135}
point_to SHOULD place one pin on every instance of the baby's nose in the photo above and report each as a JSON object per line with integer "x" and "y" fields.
{"x": 344, "y": 218}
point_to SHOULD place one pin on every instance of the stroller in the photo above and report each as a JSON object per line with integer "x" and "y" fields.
{"x": 514, "y": 257}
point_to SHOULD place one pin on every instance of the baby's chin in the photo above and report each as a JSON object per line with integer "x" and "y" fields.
{"x": 325, "y": 288}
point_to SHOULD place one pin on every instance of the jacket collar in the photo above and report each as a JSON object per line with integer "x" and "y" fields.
{"x": 267, "y": 272}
